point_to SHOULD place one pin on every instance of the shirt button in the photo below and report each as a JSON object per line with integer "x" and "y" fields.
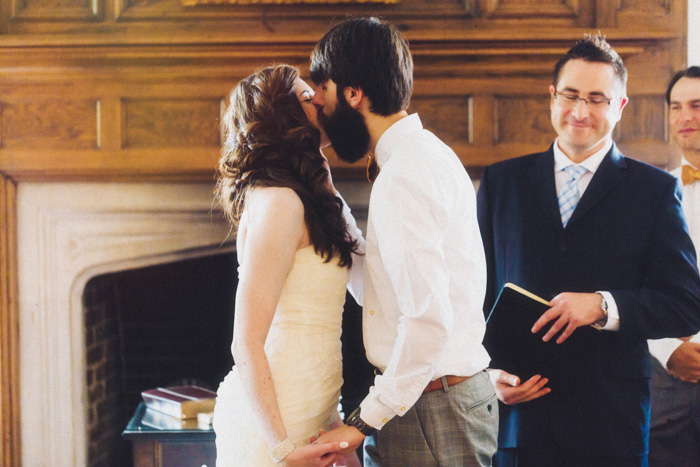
{"x": 385, "y": 420}
{"x": 403, "y": 409}
{"x": 371, "y": 312}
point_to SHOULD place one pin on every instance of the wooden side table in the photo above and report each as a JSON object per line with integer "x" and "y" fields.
{"x": 161, "y": 442}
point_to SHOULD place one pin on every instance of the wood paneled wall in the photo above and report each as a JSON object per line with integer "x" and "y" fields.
{"x": 134, "y": 89}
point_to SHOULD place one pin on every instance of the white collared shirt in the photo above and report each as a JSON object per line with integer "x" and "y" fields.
{"x": 425, "y": 271}
{"x": 591, "y": 163}
{"x": 661, "y": 349}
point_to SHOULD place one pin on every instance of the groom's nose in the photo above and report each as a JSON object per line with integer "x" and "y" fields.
{"x": 317, "y": 100}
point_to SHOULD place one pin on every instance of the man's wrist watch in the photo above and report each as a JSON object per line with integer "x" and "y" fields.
{"x": 603, "y": 306}
{"x": 355, "y": 420}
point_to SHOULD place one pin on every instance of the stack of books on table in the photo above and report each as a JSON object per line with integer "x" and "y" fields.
{"x": 178, "y": 407}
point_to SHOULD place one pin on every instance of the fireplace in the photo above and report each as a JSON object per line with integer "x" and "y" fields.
{"x": 67, "y": 235}
{"x": 158, "y": 326}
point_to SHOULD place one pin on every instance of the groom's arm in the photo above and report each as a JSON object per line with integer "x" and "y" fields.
{"x": 409, "y": 222}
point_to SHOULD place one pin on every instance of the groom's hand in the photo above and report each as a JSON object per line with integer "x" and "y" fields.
{"x": 349, "y": 434}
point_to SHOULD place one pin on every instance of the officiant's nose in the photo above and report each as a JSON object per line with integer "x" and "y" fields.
{"x": 580, "y": 109}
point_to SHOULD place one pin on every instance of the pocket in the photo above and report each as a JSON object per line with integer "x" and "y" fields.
{"x": 483, "y": 401}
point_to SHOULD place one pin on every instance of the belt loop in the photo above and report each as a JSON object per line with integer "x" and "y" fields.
{"x": 445, "y": 386}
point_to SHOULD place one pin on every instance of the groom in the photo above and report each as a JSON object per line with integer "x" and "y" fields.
{"x": 425, "y": 273}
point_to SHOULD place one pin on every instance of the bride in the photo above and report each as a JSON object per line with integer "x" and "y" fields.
{"x": 296, "y": 244}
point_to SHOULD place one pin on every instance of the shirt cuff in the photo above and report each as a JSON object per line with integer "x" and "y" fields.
{"x": 613, "y": 322}
{"x": 662, "y": 349}
{"x": 374, "y": 413}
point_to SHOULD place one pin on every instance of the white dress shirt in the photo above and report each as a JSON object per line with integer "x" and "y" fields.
{"x": 662, "y": 349}
{"x": 425, "y": 271}
{"x": 561, "y": 161}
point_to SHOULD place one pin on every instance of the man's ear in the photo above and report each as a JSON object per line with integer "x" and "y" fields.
{"x": 353, "y": 96}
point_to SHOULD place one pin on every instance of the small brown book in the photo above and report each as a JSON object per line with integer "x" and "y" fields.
{"x": 181, "y": 402}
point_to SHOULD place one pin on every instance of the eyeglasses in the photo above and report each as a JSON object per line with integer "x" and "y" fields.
{"x": 594, "y": 102}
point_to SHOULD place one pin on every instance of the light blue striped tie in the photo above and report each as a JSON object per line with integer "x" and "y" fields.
{"x": 569, "y": 196}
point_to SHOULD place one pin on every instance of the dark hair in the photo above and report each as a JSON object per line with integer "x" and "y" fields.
{"x": 369, "y": 54}
{"x": 593, "y": 48}
{"x": 270, "y": 142}
{"x": 690, "y": 72}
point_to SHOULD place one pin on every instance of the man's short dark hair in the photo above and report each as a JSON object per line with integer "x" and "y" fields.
{"x": 369, "y": 54}
{"x": 690, "y": 72}
{"x": 593, "y": 48}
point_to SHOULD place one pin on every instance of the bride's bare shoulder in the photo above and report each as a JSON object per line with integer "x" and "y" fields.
{"x": 274, "y": 198}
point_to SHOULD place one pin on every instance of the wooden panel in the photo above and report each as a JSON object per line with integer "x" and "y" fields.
{"x": 171, "y": 123}
{"x": 49, "y": 123}
{"x": 529, "y": 8}
{"x": 449, "y": 117}
{"x": 523, "y": 119}
{"x": 643, "y": 119}
{"x": 643, "y": 13}
{"x": 45, "y": 10}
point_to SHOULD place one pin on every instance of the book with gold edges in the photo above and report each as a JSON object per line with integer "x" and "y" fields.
{"x": 182, "y": 402}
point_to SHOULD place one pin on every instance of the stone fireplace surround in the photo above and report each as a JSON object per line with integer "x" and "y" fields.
{"x": 68, "y": 233}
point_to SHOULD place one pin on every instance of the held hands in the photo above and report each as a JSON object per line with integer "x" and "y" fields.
{"x": 510, "y": 391}
{"x": 571, "y": 311}
{"x": 349, "y": 436}
{"x": 313, "y": 455}
{"x": 684, "y": 362}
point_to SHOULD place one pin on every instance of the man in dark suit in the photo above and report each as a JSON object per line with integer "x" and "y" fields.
{"x": 604, "y": 239}
{"x": 674, "y": 437}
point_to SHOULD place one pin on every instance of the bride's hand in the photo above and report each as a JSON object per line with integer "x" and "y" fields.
{"x": 313, "y": 455}
{"x": 348, "y": 460}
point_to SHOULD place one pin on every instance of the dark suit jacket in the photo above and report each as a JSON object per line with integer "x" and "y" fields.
{"x": 627, "y": 236}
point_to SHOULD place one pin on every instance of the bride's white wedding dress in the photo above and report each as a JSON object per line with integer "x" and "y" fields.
{"x": 303, "y": 349}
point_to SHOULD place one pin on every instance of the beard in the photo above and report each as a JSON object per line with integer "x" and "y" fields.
{"x": 346, "y": 130}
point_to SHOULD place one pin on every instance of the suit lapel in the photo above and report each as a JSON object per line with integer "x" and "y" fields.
{"x": 609, "y": 174}
{"x": 541, "y": 175}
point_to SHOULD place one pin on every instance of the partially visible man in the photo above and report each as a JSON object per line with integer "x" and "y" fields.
{"x": 675, "y": 389}
{"x": 432, "y": 403}
{"x": 604, "y": 238}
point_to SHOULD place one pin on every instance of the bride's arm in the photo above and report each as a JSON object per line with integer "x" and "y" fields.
{"x": 275, "y": 229}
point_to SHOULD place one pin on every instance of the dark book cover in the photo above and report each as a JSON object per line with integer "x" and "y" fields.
{"x": 509, "y": 339}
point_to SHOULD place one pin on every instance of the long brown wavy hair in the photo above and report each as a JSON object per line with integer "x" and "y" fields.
{"x": 270, "y": 142}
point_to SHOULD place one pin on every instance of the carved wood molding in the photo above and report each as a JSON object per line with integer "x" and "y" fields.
{"x": 279, "y": 2}
{"x": 9, "y": 327}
